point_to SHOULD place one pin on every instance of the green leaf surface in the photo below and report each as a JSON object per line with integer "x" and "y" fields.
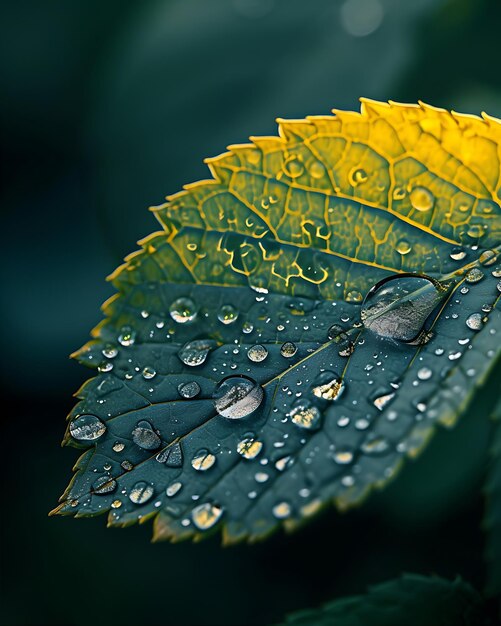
{"x": 412, "y": 600}
{"x": 492, "y": 521}
{"x": 280, "y": 247}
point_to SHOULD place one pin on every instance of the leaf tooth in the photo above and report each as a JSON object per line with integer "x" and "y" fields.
{"x": 294, "y": 130}
{"x": 373, "y": 108}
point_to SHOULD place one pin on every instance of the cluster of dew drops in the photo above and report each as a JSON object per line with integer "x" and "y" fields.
{"x": 239, "y": 396}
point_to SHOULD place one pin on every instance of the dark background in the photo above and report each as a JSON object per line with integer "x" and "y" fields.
{"x": 106, "y": 107}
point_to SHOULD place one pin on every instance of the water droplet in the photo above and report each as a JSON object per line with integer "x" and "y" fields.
{"x": 183, "y": 310}
{"x": 474, "y": 321}
{"x": 227, "y": 314}
{"x": 422, "y": 199}
{"x": 173, "y": 488}
{"x": 257, "y": 353}
{"x": 195, "y": 352}
{"x": 104, "y": 485}
{"x": 343, "y": 456}
{"x": 474, "y": 275}
{"x": 317, "y": 170}
{"x": 357, "y": 176}
{"x": 374, "y": 445}
{"x": 382, "y": 400}
{"x": 203, "y": 460}
{"x": 189, "y": 390}
{"x": 292, "y": 166}
{"x": 305, "y": 415}
{"x": 106, "y": 366}
{"x": 475, "y": 231}
{"x": 453, "y": 356}
{"x": 398, "y": 307}
{"x": 145, "y": 437}
{"x": 403, "y": 247}
{"x": 247, "y": 328}
{"x": 329, "y": 386}
{"x": 424, "y": 373}
{"x": 141, "y": 492}
{"x": 457, "y": 254}
{"x": 172, "y": 456}
{"x": 288, "y": 349}
{"x": 261, "y": 477}
{"x": 496, "y": 272}
{"x": 87, "y": 428}
{"x": 118, "y": 446}
{"x": 116, "y": 504}
{"x": 488, "y": 257}
{"x": 110, "y": 351}
{"x": 249, "y": 447}
{"x": 282, "y": 510}
{"x": 127, "y": 336}
{"x": 126, "y": 465}
{"x": 283, "y": 463}
{"x": 237, "y": 396}
{"x": 206, "y": 515}
{"x": 148, "y": 373}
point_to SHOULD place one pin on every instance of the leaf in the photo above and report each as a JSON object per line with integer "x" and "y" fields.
{"x": 281, "y": 246}
{"x": 492, "y": 521}
{"x": 412, "y": 600}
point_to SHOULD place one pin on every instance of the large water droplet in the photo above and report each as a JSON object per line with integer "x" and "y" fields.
{"x": 141, "y": 492}
{"x": 145, "y": 437}
{"x": 422, "y": 199}
{"x": 206, "y": 515}
{"x": 399, "y": 306}
{"x": 227, "y": 314}
{"x": 292, "y": 166}
{"x": 189, "y": 390}
{"x": 87, "y": 428}
{"x": 195, "y": 352}
{"x": 328, "y": 386}
{"x": 237, "y": 396}
{"x": 249, "y": 447}
{"x": 203, "y": 460}
{"x": 305, "y": 415}
{"x": 183, "y": 310}
{"x": 257, "y": 353}
{"x": 288, "y": 349}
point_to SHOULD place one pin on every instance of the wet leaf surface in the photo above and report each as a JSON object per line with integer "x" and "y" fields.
{"x": 492, "y": 521}
{"x": 272, "y": 350}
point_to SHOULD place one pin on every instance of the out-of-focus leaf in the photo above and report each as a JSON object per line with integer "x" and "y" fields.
{"x": 261, "y": 273}
{"x": 492, "y": 521}
{"x": 412, "y": 600}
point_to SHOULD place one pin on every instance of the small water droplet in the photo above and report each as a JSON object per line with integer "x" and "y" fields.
{"x": 475, "y": 321}
{"x": 104, "y": 485}
{"x": 475, "y": 231}
{"x": 403, "y": 247}
{"x": 110, "y": 351}
{"x": 357, "y": 176}
{"x": 283, "y": 463}
{"x": 189, "y": 390}
{"x": 457, "y": 254}
{"x": 227, "y": 314}
{"x": 247, "y": 328}
{"x": 116, "y": 504}
{"x": 206, "y": 515}
{"x": 105, "y": 366}
{"x": 343, "y": 456}
{"x": 236, "y": 397}
{"x": 118, "y": 446}
{"x": 183, "y": 310}
{"x": 148, "y": 373}
{"x": 292, "y": 166}
{"x": 282, "y": 510}
{"x": 127, "y": 336}
{"x": 203, "y": 460}
{"x": 249, "y": 447}
{"x": 173, "y": 488}
{"x": 382, "y": 400}
{"x": 261, "y": 477}
{"x": 474, "y": 275}
{"x": 422, "y": 199}
{"x": 374, "y": 445}
{"x": 257, "y": 353}
{"x": 141, "y": 492}
{"x": 172, "y": 455}
{"x": 488, "y": 257}
{"x": 87, "y": 428}
{"x": 424, "y": 373}
{"x": 195, "y": 352}
{"x": 145, "y": 437}
{"x": 288, "y": 349}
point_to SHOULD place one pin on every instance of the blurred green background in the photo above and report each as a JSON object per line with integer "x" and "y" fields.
{"x": 107, "y": 107}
